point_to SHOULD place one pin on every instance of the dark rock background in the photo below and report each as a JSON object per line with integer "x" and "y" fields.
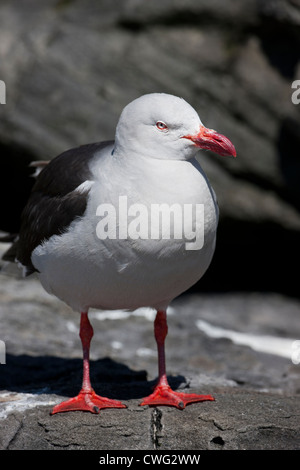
{"x": 70, "y": 66}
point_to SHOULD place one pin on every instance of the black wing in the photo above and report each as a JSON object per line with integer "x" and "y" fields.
{"x": 54, "y": 203}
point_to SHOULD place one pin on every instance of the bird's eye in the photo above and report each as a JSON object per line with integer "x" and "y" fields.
{"x": 161, "y": 126}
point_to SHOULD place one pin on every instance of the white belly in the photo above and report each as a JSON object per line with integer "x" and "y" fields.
{"x": 85, "y": 271}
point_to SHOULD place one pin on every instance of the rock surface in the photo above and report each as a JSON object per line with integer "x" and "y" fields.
{"x": 257, "y": 391}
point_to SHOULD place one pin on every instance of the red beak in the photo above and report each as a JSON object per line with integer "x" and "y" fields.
{"x": 209, "y": 139}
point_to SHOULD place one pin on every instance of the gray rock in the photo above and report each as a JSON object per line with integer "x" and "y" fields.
{"x": 235, "y": 421}
{"x": 256, "y": 390}
{"x": 70, "y": 68}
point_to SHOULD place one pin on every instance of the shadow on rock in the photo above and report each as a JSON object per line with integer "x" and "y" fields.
{"x": 62, "y": 376}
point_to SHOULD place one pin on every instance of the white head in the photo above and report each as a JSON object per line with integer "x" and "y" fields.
{"x": 164, "y": 126}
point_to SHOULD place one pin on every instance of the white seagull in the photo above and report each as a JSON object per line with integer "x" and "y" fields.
{"x": 75, "y": 236}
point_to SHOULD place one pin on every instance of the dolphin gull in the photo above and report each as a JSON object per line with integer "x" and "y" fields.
{"x": 89, "y": 232}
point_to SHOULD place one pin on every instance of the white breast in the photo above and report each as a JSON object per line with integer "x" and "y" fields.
{"x": 85, "y": 271}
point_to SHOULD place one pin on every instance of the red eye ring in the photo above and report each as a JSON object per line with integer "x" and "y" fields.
{"x": 161, "y": 126}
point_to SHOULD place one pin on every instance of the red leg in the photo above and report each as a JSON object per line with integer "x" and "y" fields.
{"x": 87, "y": 399}
{"x": 163, "y": 394}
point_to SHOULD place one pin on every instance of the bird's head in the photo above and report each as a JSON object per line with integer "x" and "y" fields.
{"x": 164, "y": 126}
